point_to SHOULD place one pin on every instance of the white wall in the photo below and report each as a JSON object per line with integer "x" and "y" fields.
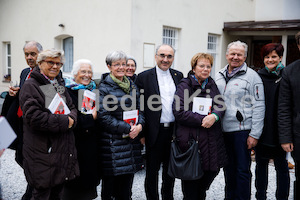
{"x": 277, "y": 10}
{"x": 194, "y": 18}
{"x": 100, "y": 26}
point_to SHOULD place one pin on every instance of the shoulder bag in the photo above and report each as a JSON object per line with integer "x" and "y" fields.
{"x": 185, "y": 165}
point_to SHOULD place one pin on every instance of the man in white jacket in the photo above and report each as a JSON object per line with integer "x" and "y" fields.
{"x": 243, "y": 92}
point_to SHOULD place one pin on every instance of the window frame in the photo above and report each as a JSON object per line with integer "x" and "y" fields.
{"x": 170, "y": 36}
{"x": 213, "y": 41}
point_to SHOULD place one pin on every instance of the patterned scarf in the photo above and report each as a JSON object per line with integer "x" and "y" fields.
{"x": 204, "y": 82}
{"x": 70, "y": 83}
{"x": 279, "y": 67}
{"x": 124, "y": 85}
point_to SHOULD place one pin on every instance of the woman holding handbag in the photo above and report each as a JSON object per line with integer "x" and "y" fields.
{"x": 204, "y": 127}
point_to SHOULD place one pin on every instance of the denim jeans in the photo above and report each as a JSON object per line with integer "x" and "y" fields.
{"x": 237, "y": 173}
{"x": 261, "y": 175}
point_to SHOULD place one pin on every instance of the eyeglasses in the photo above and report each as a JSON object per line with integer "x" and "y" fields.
{"x": 119, "y": 65}
{"x": 51, "y": 63}
{"x": 162, "y": 56}
{"x": 203, "y": 66}
{"x": 86, "y": 72}
{"x": 31, "y": 53}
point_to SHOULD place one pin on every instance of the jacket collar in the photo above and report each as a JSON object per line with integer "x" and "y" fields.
{"x": 243, "y": 70}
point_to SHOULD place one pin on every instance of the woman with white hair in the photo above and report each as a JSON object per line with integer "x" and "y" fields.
{"x": 84, "y": 187}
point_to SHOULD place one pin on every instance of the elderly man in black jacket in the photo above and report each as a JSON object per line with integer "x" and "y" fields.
{"x": 11, "y": 108}
{"x": 159, "y": 85}
{"x": 289, "y": 114}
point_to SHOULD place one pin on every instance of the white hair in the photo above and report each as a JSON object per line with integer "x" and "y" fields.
{"x": 238, "y": 43}
{"x": 78, "y": 63}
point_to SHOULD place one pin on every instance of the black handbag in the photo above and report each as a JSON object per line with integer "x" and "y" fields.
{"x": 187, "y": 165}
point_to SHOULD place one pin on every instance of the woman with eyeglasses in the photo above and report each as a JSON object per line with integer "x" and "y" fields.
{"x": 81, "y": 86}
{"x": 50, "y": 157}
{"x": 202, "y": 123}
{"x": 118, "y": 138}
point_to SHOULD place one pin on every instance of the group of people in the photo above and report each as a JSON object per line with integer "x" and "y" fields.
{"x": 65, "y": 155}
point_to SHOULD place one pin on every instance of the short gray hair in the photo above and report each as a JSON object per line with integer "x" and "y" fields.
{"x": 115, "y": 56}
{"x": 132, "y": 58}
{"x": 33, "y": 43}
{"x": 238, "y": 43}
{"x": 51, "y": 53}
{"x": 77, "y": 65}
{"x": 164, "y": 45}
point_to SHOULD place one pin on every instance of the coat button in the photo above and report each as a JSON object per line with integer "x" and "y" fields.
{"x": 67, "y": 178}
{"x": 71, "y": 155}
{"x": 87, "y": 131}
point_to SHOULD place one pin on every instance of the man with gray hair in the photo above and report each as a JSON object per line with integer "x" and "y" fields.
{"x": 11, "y": 108}
{"x": 159, "y": 84}
{"x": 243, "y": 121}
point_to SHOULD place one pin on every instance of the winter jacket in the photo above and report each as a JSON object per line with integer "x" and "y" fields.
{"x": 86, "y": 144}
{"x": 49, "y": 145}
{"x": 289, "y": 108}
{"x": 118, "y": 153}
{"x": 271, "y": 83}
{"x": 244, "y": 99}
{"x": 211, "y": 142}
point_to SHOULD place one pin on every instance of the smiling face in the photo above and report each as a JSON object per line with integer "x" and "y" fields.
{"x": 84, "y": 74}
{"x": 164, "y": 57}
{"x": 272, "y": 60}
{"x": 202, "y": 69}
{"x": 31, "y": 53}
{"x": 50, "y": 67}
{"x": 235, "y": 56}
{"x": 130, "y": 68}
{"x": 117, "y": 69}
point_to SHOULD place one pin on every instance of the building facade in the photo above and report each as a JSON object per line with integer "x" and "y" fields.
{"x": 91, "y": 29}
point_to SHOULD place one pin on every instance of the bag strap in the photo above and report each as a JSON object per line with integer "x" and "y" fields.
{"x": 174, "y": 133}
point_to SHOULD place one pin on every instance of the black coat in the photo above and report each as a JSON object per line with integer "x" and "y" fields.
{"x": 118, "y": 155}
{"x": 50, "y": 156}
{"x": 147, "y": 81}
{"x": 188, "y": 123}
{"x": 10, "y": 110}
{"x": 269, "y": 136}
{"x": 86, "y": 145}
{"x": 289, "y": 107}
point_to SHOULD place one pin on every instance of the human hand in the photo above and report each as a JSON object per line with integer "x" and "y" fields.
{"x": 208, "y": 121}
{"x": 135, "y": 130}
{"x": 142, "y": 140}
{"x": 13, "y": 90}
{"x": 251, "y": 142}
{"x": 71, "y": 122}
{"x": 287, "y": 147}
{"x": 94, "y": 113}
{"x": 1, "y": 152}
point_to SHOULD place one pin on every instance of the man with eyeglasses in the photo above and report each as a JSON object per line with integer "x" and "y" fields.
{"x": 158, "y": 85}
{"x": 11, "y": 108}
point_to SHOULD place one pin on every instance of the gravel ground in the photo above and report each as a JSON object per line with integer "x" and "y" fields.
{"x": 13, "y": 182}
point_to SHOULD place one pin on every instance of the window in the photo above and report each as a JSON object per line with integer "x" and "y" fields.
{"x": 7, "y": 64}
{"x": 212, "y": 46}
{"x": 170, "y": 36}
{"x": 68, "y": 49}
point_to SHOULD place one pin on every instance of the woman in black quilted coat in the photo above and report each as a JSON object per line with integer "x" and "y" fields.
{"x": 120, "y": 148}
